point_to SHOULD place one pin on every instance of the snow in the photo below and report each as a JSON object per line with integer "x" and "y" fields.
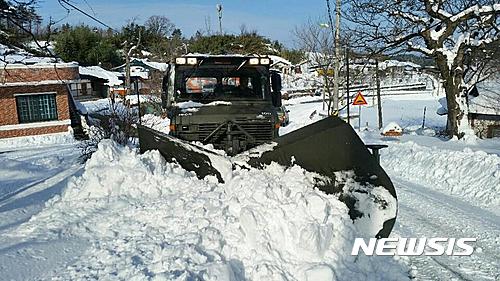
{"x": 161, "y": 66}
{"x": 392, "y": 127}
{"x": 144, "y": 218}
{"x": 443, "y": 109}
{"x": 471, "y": 175}
{"x": 278, "y": 59}
{"x": 138, "y": 71}
{"x": 36, "y": 141}
{"x": 156, "y": 122}
{"x": 192, "y": 104}
{"x": 395, "y": 63}
{"x": 127, "y": 216}
{"x": 46, "y": 45}
{"x": 97, "y": 105}
{"x": 16, "y": 57}
{"x": 99, "y": 72}
{"x": 435, "y": 35}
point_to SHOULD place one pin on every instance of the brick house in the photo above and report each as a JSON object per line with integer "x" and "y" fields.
{"x": 484, "y": 108}
{"x": 35, "y": 98}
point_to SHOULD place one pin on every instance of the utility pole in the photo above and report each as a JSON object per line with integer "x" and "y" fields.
{"x": 219, "y": 12}
{"x": 337, "y": 60}
{"x": 127, "y": 63}
{"x": 136, "y": 83}
{"x": 379, "y": 99}
{"x": 127, "y": 69}
{"x": 336, "y": 69}
{"x": 347, "y": 84}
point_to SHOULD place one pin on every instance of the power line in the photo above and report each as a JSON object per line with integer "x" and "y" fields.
{"x": 85, "y": 13}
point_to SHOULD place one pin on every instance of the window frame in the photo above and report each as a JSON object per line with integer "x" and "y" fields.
{"x": 33, "y": 101}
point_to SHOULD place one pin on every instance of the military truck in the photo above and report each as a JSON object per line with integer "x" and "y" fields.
{"x": 231, "y": 102}
{"x": 228, "y": 101}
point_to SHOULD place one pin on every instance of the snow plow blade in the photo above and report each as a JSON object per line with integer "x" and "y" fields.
{"x": 190, "y": 157}
{"x": 329, "y": 148}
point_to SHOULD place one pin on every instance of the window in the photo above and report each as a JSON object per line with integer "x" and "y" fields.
{"x": 198, "y": 85}
{"x": 36, "y": 108}
{"x": 221, "y": 82}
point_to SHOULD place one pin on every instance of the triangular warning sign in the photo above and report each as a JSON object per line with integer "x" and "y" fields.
{"x": 359, "y": 99}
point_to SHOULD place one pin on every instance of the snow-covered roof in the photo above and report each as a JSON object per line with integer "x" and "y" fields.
{"x": 488, "y": 99}
{"x": 139, "y": 71}
{"x": 47, "y": 46}
{"x": 13, "y": 56}
{"x": 278, "y": 59}
{"x": 161, "y": 66}
{"x": 99, "y": 72}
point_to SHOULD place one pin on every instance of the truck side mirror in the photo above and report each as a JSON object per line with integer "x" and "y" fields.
{"x": 164, "y": 92}
{"x": 275, "y": 81}
{"x": 276, "y": 88}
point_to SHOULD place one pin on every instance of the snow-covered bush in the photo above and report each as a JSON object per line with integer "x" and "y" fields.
{"x": 116, "y": 123}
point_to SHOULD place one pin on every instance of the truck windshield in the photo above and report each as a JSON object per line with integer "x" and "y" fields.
{"x": 222, "y": 83}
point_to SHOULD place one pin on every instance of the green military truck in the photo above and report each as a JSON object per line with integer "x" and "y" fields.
{"x": 228, "y": 101}
{"x": 231, "y": 102}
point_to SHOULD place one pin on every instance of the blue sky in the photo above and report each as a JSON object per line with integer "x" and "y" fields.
{"x": 273, "y": 18}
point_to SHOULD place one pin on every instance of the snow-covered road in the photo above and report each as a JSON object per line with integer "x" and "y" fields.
{"x": 424, "y": 212}
{"x": 32, "y": 172}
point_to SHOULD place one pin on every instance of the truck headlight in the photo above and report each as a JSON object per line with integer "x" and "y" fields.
{"x": 265, "y": 61}
{"x": 254, "y": 61}
{"x": 192, "y": 61}
{"x": 180, "y": 60}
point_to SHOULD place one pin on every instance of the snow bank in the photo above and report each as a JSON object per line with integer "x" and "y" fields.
{"x": 147, "y": 219}
{"x": 471, "y": 175}
{"x": 39, "y": 140}
{"x": 392, "y": 127}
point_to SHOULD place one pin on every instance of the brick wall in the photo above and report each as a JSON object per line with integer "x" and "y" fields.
{"x": 33, "y": 74}
{"x": 8, "y": 109}
{"x": 33, "y": 131}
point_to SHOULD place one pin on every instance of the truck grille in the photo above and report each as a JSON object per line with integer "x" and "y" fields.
{"x": 261, "y": 131}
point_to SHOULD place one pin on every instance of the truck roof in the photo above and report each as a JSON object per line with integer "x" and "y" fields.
{"x": 253, "y": 60}
{"x": 198, "y": 55}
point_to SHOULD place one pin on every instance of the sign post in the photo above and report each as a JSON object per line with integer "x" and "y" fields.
{"x": 359, "y": 100}
{"x": 359, "y": 118}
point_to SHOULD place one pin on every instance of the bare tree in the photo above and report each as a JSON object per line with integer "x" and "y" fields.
{"x": 449, "y": 31}
{"x": 160, "y": 26}
{"x": 317, "y": 42}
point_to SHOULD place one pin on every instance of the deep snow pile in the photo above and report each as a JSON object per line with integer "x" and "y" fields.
{"x": 147, "y": 219}
{"x": 472, "y": 175}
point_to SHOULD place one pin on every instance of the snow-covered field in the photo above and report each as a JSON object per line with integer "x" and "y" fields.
{"x": 125, "y": 216}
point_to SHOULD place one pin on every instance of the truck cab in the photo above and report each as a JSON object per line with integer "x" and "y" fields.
{"x": 228, "y": 101}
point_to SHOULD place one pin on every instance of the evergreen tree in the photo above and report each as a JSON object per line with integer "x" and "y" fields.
{"x": 87, "y": 47}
